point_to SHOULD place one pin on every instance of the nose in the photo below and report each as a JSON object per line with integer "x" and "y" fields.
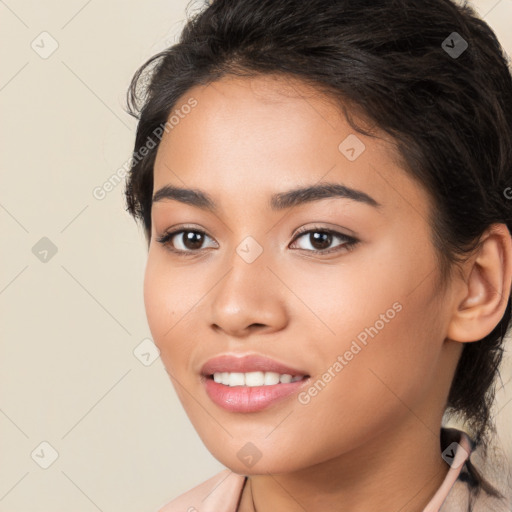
{"x": 249, "y": 298}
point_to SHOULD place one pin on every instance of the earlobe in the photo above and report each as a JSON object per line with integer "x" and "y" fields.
{"x": 485, "y": 293}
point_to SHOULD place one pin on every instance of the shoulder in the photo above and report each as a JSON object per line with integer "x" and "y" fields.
{"x": 220, "y": 493}
{"x": 465, "y": 495}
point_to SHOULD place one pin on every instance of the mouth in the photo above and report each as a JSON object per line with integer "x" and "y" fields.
{"x": 250, "y": 383}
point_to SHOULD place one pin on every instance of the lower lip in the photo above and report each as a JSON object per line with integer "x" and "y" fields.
{"x": 249, "y": 399}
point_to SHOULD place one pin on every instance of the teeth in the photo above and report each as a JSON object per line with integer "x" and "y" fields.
{"x": 252, "y": 379}
{"x": 236, "y": 379}
{"x": 271, "y": 378}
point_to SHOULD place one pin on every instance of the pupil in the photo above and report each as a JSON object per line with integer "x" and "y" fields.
{"x": 320, "y": 240}
{"x": 193, "y": 240}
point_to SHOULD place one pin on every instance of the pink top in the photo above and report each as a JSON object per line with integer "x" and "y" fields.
{"x": 222, "y": 492}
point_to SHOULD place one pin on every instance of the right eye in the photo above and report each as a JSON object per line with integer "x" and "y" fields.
{"x": 184, "y": 241}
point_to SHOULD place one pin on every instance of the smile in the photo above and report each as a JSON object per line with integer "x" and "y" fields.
{"x": 249, "y": 382}
{"x": 253, "y": 379}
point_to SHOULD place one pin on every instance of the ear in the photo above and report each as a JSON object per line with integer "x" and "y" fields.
{"x": 485, "y": 290}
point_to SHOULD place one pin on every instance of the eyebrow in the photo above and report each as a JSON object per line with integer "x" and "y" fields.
{"x": 279, "y": 201}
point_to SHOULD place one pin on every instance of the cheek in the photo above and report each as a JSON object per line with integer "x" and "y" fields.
{"x": 390, "y": 348}
{"x": 382, "y": 317}
{"x": 166, "y": 303}
{"x": 378, "y": 385}
{"x": 155, "y": 300}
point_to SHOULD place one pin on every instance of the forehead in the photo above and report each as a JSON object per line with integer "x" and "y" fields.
{"x": 271, "y": 133}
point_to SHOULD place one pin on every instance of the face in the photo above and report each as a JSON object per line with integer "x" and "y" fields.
{"x": 335, "y": 288}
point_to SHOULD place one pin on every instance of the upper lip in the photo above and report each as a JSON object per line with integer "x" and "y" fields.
{"x": 248, "y": 363}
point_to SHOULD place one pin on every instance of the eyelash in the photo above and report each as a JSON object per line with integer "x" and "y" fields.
{"x": 348, "y": 245}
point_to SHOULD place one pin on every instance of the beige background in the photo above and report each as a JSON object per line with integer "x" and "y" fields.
{"x": 70, "y": 325}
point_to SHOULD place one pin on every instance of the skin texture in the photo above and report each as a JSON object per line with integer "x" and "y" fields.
{"x": 370, "y": 439}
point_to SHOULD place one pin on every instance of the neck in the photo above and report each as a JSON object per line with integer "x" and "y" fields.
{"x": 401, "y": 469}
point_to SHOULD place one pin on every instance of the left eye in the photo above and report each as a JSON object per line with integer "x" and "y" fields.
{"x": 320, "y": 240}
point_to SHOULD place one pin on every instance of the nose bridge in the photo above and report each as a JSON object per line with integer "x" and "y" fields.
{"x": 247, "y": 278}
{"x": 249, "y": 293}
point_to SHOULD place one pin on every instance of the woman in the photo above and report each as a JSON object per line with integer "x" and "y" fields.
{"x": 323, "y": 190}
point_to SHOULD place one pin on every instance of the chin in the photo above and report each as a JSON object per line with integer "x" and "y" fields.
{"x": 258, "y": 465}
